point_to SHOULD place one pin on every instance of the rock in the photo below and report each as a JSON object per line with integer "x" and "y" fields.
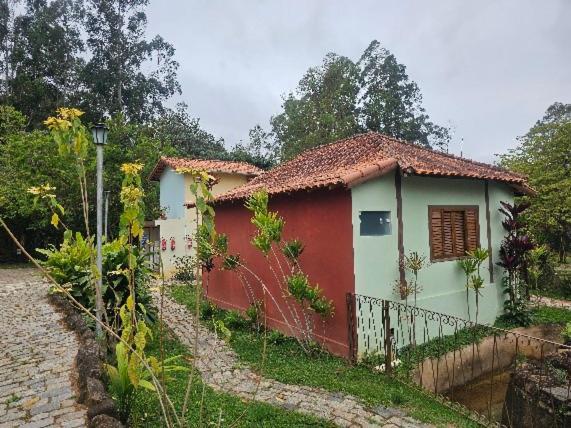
{"x": 105, "y": 421}
{"x": 88, "y": 365}
{"x": 94, "y": 391}
{"x": 535, "y": 398}
{"x": 106, "y": 407}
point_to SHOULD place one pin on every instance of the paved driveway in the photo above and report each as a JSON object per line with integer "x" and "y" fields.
{"x": 36, "y": 356}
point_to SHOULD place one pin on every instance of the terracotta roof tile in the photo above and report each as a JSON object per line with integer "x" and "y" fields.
{"x": 212, "y": 166}
{"x": 360, "y": 158}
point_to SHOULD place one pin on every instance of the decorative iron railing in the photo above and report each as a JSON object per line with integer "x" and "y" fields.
{"x": 499, "y": 377}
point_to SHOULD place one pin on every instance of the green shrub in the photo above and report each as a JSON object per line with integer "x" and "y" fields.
{"x": 566, "y": 333}
{"x": 276, "y": 338}
{"x": 372, "y": 359}
{"x": 71, "y": 267}
{"x": 184, "y": 268}
{"x": 207, "y": 309}
{"x": 234, "y": 319}
{"x": 254, "y": 314}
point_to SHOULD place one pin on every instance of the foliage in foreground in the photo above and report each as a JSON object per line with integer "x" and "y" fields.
{"x": 299, "y": 303}
{"x": 286, "y": 361}
{"x": 206, "y": 406}
{"x": 70, "y": 265}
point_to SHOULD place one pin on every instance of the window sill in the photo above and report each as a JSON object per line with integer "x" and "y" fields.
{"x": 448, "y": 259}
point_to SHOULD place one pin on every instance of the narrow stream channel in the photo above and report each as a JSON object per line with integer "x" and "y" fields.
{"x": 476, "y": 395}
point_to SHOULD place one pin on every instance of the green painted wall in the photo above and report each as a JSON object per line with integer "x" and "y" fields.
{"x": 376, "y": 267}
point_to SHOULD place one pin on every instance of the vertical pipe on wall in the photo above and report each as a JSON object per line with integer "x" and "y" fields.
{"x": 489, "y": 231}
{"x": 398, "y": 189}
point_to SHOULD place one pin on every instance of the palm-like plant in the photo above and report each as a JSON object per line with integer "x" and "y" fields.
{"x": 468, "y": 266}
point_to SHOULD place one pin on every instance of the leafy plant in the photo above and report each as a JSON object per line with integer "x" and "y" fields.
{"x": 301, "y": 299}
{"x": 70, "y": 266}
{"x": 414, "y": 263}
{"x": 234, "y": 319}
{"x": 132, "y": 367}
{"x": 468, "y": 266}
{"x": 184, "y": 268}
{"x": 566, "y": 333}
{"x": 254, "y": 313}
{"x": 275, "y": 337}
{"x": 207, "y": 309}
{"x": 471, "y": 265}
{"x": 221, "y": 329}
{"x": 293, "y": 249}
{"x": 513, "y": 258}
{"x": 536, "y": 260}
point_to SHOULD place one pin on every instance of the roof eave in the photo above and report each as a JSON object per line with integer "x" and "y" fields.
{"x": 370, "y": 172}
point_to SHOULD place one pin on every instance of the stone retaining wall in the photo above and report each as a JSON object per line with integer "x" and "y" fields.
{"x": 101, "y": 410}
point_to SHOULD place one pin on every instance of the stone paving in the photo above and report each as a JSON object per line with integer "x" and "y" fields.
{"x": 221, "y": 369}
{"x": 36, "y": 357}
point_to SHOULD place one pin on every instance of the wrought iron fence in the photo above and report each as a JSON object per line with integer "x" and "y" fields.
{"x": 514, "y": 378}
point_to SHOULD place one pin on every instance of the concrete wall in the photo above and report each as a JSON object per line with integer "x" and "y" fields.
{"x": 180, "y": 223}
{"x": 172, "y": 193}
{"x": 322, "y": 221}
{"x": 376, "y": 257}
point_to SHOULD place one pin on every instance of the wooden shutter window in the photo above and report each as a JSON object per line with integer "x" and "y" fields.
{"x": 453, "y": 231}
{"x": 472, "y": 235}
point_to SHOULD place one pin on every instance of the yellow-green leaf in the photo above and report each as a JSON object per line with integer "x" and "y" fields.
{"x": 130, "y": 303}
{"x": 55, "y": 220}
{"x": 147, "y": 385}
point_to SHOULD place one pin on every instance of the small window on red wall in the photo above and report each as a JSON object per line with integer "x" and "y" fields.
{"x": 453, "y": 230}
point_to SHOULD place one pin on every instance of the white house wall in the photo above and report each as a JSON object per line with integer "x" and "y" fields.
{"x": 180, "y": 222}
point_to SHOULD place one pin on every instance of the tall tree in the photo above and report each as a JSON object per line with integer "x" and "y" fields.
{"x": 41, "y": 53}
{"x": 322, "y": 109}
{"x": 183, "y": 133}
{"x": 341, "y": 98}
{"x": 392, "y": 103}
{"x": 260, "y": 150}
{"x": 7, "y": 16}
{"x": 544, "y": 155}
{"x": 114, "y": 78}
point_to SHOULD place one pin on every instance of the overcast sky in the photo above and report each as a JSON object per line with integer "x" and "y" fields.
{"x": 486, "y": 68}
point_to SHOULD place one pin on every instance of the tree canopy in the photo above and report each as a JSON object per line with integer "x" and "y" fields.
{"x": 46, "y": 64}
{"x": 342, "y": 97}
{"x": 544, "y": 155}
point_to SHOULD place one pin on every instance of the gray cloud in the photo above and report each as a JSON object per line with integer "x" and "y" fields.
{"x": 488, "y": 68}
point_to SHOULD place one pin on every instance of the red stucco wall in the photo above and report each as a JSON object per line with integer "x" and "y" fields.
{"x": 322, "y": 220}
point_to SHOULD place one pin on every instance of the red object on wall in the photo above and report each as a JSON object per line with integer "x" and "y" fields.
{"x": 173, "y": 245}
{"x": 163, "y": 244}
{"x": 322, "y": 221}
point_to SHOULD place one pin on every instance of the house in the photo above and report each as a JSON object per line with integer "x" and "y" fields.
{"x": 359, "y": 205}
{"x": 177, "y": 224}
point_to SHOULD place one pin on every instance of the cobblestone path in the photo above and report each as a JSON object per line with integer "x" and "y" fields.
{"x": 36, "y": 357}
{"x": 548, "y": 301}
{"x": 221, "y": 369}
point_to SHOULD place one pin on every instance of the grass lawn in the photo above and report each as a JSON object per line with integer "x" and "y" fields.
{"x": 287, "y": 362}
{"x": 549, "y": 315}
{"x": 231, "y": 410}
{"x": 543, "y": 315}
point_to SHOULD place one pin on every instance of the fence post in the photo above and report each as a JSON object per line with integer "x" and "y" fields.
{"x": 388, "y": 345}
{"x": 351, "y": 328}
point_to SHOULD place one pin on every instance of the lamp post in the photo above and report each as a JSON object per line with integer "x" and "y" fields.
{"x": 105, "y": 229}
{"x": 99, "y": 132}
